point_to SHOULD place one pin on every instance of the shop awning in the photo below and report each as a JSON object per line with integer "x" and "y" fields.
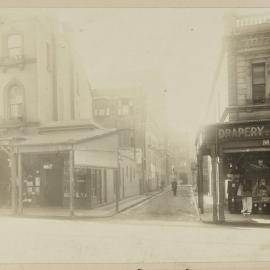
{"x": 99, "y": 159}
{"x": 59, "y": 141}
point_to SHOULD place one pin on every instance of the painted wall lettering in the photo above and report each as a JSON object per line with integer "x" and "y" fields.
{"x": 240, "y": 132}
{"x": 266, "y": 142}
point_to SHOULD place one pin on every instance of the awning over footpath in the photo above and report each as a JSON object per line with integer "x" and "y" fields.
{"x": 92, "y": 148}
{"x": 95, "y": 159}
{"x": 63, "y": 138}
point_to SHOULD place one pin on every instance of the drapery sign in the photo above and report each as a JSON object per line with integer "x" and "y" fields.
{"x": 244, "y": 132}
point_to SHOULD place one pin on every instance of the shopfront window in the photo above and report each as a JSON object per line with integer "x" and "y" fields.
{"x": 81, "y": 181}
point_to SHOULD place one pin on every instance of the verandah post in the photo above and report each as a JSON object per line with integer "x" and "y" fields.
{"x": 200, "y": 182}
{"x": 20, "y": 182}
{"x": 12, "y": 157}
{"x": 221, "y": 188}
{"x": 214, "y": 183}
{"x": 71, "y": 182}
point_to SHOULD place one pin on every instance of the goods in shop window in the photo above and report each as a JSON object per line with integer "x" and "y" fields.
{"x": 29, "y": 183}
{"x": 37, "y": 181}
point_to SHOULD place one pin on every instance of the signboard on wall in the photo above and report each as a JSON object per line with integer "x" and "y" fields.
{"x": 255, "y": 130}
{"x": 235, "y": 132}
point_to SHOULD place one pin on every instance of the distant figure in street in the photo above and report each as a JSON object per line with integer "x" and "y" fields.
{"x": 162, "y": 185}
{"x": 174, "y": 187}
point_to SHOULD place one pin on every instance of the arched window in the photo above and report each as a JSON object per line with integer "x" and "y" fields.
{"x": 15, "y": 102}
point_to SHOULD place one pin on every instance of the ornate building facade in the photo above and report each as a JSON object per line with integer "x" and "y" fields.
{"x": 52, "y": 151}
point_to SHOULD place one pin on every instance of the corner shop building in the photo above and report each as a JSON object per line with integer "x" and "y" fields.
{"x": 65, "y": 170}
{"x": 233, "y": 144}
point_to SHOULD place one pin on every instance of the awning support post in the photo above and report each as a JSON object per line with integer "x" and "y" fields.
{"x": 221, "y": 201}
{"x": 214, "y": 184}
{"x": 13, "y": 165}
{"x": 117, "y": 183}
{"x": 71, "y": 182}
{"x": 200, "y": 183}
{"x": 20, "y": 183}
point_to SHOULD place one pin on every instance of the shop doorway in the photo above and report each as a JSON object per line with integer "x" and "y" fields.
{"x": 43, "y": 179}
{"x": 5, "y": 191}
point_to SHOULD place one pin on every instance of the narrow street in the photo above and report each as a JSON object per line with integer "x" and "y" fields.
{"x": 165, "y": 206}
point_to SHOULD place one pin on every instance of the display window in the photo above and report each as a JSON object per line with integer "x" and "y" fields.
{"x": 253, "y": 169}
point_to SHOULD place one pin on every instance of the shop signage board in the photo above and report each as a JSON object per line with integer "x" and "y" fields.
{"x": 242, "y": 132}
{"x": 257, "y": 130}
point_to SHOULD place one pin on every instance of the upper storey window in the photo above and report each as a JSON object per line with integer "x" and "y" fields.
{"x": 258, "y": 83}
{"x": 123, "y": 107}
{"x": 15, "y": 103}
{"x": 14, "y": 46}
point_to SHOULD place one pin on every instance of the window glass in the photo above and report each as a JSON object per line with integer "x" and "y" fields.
{"x": 15, "y": 102}
{"x": 258, "y": 83}
{"x": 125, "y": 109}
{"x": 258, "y": 74}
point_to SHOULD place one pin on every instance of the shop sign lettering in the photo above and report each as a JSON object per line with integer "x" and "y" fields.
{"x": 240, "y": 132}
{"x": 266, "y": 142}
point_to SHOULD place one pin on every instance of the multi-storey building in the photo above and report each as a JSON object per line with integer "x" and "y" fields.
{"x": 40, "y": 81}
{"x": 239, "y": 144}
{"x": 145, "y": 118}
{"x": 181, "y": 156}
{"x": 52, "y": 152}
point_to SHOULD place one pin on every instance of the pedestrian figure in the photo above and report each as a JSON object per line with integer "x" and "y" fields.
{"x": 162, "y": 185}
{"x": 245, "y": 190}
{"x": 174, "y": 187}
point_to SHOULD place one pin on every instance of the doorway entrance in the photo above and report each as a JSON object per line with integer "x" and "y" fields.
{"x": 5, "y": 191}
{"x": 43, "y": 179}
{"x": 254, "y": 168}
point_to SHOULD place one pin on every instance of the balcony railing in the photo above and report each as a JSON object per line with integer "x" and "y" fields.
{"x": 252, "y": 20}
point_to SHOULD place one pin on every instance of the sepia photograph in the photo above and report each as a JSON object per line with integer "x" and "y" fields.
{"x": 134, "y": 138}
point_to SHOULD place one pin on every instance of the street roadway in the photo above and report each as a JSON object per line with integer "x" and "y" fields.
{"x": 162, "y": 230}
{"x": 165, "y": 206}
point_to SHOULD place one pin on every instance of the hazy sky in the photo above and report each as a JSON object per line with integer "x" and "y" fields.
{"x": 175, "y": 49}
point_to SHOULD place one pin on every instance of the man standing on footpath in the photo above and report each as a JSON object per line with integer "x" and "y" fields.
{"x": 174, "y": 183}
